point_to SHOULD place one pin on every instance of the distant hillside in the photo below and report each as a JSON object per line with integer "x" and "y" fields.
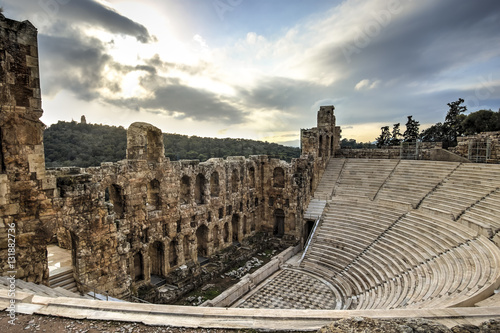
{"x": 84, "y": 145}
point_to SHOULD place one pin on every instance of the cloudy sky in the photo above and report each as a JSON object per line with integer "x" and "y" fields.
{"x": 260, "y": 69}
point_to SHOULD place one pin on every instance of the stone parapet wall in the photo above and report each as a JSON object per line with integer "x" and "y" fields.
{"x": 482, "y": 147}
{"x": 430, "y": 151}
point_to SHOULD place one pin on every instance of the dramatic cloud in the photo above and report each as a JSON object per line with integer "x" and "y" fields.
{"x": 76, "y": 64}
{"x": 83, "y": 13}
{"x": 171, "y": 97}
{"x": 266, "y": 70}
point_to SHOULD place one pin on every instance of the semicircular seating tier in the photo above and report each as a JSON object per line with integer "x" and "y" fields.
{"x": 380, "y": 257}
{"x": 398, "y": 234}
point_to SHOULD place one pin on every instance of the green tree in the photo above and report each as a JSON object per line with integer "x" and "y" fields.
{"x": 412, "y": 130}
{"x": 384, "y": 138}
{"x": 481, "y": 121}
{"x": 453, "y": 122}
{"x": 396, "y": 135}
{"x": 435, "y": 133}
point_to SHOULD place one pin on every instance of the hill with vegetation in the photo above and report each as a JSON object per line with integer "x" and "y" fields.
{"x": 84, "y": 145}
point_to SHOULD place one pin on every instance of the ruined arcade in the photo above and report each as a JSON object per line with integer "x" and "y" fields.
{"x": 144, "y": 215}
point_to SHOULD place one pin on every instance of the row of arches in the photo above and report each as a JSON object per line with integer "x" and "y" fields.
{"x": 114, "y": 194}
{"x": 167, "y": 256}
{"x": 201, "y": 184}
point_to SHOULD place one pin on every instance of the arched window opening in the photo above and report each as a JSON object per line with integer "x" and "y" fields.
{"x": 214, "y": 184}
{"x": 251, "y": 175}
{"x": 116, "y": 198}
{"x": 278, "y": 177}
{"x": 320, "y": 151}
{"x": 199, "y": 189}
{"x": 332, "y": 147}
{"x": 185, "y": 191}
{"x": 234, "y": 181}
{"x": 154, "y": 194}
{"x": 327, "y": 153}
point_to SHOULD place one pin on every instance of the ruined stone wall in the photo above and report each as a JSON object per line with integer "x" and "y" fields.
{"x": 24, "y": 188}
{"x": 147, "y": 215}
{"x": 482, "y": 147}
{"x": 321, "y": 142}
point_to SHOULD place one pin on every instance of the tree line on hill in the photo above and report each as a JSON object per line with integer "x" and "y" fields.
{"x": 456, "y": 124}
{"x": 85, "y": 145}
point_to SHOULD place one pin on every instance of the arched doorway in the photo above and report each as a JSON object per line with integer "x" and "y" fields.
{"x": 235, "y": 224}
{"x": 308, "y": 230}
{"x": 138, "y": 267}
{"x": 172, "y": 253}
{"x": 202, "y": 241}
{"x": 215, "y": 237}
{"x": 279, "y": 223}
{"x": 185, "y": 246}
{"x": 226, "y": 232}
{"x": 157, "y": 257}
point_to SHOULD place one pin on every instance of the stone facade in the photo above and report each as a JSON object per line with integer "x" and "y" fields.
{"x": 321, "y": 142}
{"x": 25, "y": 190}
{"x": 145, "y": 215}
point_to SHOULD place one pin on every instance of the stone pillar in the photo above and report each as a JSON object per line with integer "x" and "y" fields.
{"x": 24, "y": 187}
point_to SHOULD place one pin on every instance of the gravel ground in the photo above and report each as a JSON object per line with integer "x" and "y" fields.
{"x": 38, "y": 323}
